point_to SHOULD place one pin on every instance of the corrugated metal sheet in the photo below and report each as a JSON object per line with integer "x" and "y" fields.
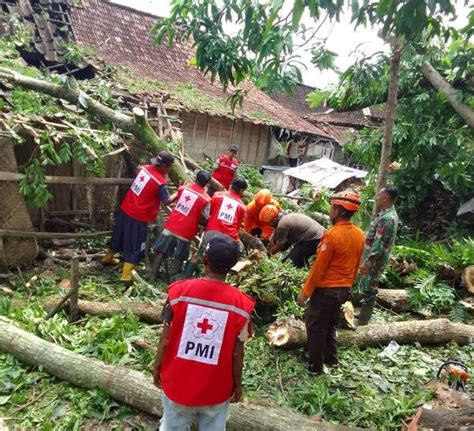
{"x": 324, "y": 173}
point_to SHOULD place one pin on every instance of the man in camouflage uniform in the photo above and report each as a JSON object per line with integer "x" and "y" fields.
{"x": 378, "y": 243}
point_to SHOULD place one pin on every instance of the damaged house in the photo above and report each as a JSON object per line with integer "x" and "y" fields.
{"x": 109, "y": 48}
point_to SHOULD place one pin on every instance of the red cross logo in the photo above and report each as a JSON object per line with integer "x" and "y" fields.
{"x": 187, "y": 198}
{"x": 229, "y": 206}
{"x": 142, "y": 178}
{"x": 204, "y": 326}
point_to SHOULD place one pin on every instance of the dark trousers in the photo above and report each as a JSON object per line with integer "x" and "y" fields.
{"x": 301, "y": 252}
{"x": 320, "y": 319}
{"x": 128, "y": 237}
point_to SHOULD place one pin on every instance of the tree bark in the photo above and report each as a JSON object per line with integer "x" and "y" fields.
{"x": 137, "y": 125}
{"x": 395, "y": 299}
{"x": 132, "y": 387}
{"x": 425, "y": 332}
{"x": 390, "y": 110}
{"x": 438, "y": 82}
{"x": 145, "y": 311}
{"x": 468, "y": 278}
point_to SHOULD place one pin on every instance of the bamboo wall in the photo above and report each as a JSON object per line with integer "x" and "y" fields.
{"x": 206, "y": 135}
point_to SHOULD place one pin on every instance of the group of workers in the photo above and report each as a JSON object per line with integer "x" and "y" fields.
{"x": 199, "y": 359}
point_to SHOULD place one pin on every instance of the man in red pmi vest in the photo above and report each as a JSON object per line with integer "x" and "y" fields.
{"x": 140, "y": 207}
{"x": 227, "y": 214}
{"x": 199, "y": 359}
{"x": 192, "y": 207}
{"x": 226, "y": 168}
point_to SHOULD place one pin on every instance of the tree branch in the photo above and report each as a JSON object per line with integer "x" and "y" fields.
{"x": 438, "y": 82}
{"x": 136, "y": 125}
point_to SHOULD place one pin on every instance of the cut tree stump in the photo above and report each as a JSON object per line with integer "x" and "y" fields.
{"x": 291, "y": 333}
{"x": 449, "y": 410}
{"x": 134, "y": 388}
{"x": 468, "y": 278}
{"x": 395, "y": 299}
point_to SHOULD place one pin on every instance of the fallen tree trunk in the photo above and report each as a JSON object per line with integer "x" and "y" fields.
{"x": 149, "y": 312}
{"x": 136, "y": 123}
{"x": 291, "y": 333}
{"x": 395, "y": 299}
{"x": 132, "y": 387}
{"x": 451, "y": 94}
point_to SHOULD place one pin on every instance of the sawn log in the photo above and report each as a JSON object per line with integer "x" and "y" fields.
{"x": 395, "y": 299}
{"x": 291, "y": 333}
{"x": 149, "y": 312}
{"x": 132, "y": 387}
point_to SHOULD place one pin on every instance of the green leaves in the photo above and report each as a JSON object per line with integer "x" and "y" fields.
{"x": 260, "y": 47}
{"x": 298, "y": 9}
{"x": 430, "y": 297}
{"x": 323, "y": 58}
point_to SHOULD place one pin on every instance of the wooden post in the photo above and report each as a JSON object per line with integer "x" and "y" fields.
{"x": 73, "y": 300}
{"x": 217, "y": 150}
{"x": 207, "y": 133}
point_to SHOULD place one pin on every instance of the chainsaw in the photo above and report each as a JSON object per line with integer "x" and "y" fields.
{"x": 455, "y": 374}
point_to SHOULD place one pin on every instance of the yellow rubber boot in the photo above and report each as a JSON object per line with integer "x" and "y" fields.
{"x": 109, "y": 258}
{"x": 127, "y": 272}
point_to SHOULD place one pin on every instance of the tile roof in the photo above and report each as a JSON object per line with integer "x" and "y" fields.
{"x": 296, "y": 101}
{"x": 121, "y": 36}
{"x": 367, "y": 117}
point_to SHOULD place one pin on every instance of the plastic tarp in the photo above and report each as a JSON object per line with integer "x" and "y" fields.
{"x": 324, "y": 173}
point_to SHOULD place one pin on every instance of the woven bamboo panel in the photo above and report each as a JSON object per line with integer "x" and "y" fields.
{"x": 14, "y": 214}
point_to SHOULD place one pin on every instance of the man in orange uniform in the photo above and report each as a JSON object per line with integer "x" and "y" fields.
{"x": 252, "y": 224}
{"x": 329, "y": 282}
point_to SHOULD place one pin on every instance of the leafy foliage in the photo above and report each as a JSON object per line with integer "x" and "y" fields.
{"x": 429, "y": 297}
{"x": 430, "y": 140}
{"x": 275, "y": 285}
{"x": 262, "y": 46}
{"x": 272, "y": 377}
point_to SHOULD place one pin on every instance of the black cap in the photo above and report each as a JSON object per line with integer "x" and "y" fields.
{"x": 163, "y": 158}
{"x": 233, "y": 147}
{"x": 222, "y": 252}
{"x": 238, "y": 184}
{"x": 203, "y": 177}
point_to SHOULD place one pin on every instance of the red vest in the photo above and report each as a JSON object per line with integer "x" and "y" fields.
{"x": 184, "y": 219}
{"x": 227, "y": 213}
{"x": 225, "y": 172}
{"x": 142, "y": 201}
{"x": 208, "y": 316}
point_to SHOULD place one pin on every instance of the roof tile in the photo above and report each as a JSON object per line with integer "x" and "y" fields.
{"x": 121, "y": 36}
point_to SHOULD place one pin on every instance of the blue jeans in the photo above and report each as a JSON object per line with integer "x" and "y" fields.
{"x": 177, "y": 417}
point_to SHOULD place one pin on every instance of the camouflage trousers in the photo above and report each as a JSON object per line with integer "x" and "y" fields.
{"x": 367, "y": 287}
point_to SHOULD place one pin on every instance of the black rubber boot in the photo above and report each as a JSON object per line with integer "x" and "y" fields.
{"x": 366, "y": 311}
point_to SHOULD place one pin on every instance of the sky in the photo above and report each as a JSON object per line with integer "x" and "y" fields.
{"x": 348, "y": 43}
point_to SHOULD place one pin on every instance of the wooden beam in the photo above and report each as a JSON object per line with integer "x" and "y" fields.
{"x": 13, "y": 176}
{"x": 52, "y": 235}
{"x": 194, "y": 130}
{"x": 217, "y": 151}
{"x": 207, "y": 133}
